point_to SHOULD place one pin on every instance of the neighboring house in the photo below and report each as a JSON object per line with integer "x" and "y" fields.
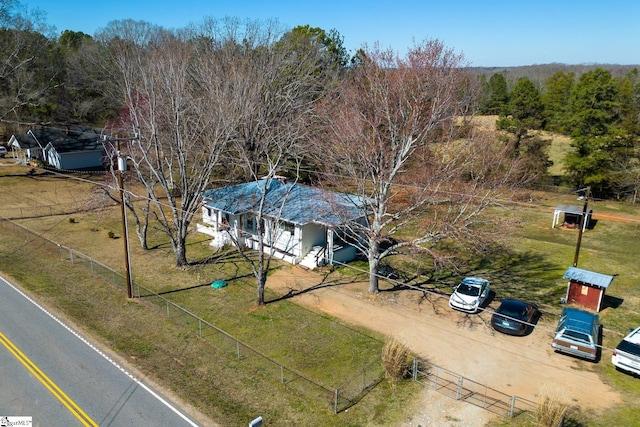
{"x": 72, "y": 148}
{"x": 303, "y": 225}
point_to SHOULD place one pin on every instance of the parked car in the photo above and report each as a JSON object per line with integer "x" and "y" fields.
{"x": 3, "y": 151}
{"x": 514, "y": 317}
{"x": 626, "y": 356}
{"x": 470, "y": 294}
{"x": 577, "y": 333}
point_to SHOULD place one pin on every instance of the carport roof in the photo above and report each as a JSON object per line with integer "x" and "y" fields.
{"x": 588, "y": 277}
{"x": 576, "y": 210}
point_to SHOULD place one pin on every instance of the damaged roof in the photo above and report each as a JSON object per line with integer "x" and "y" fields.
{"x": 295, "y": 203}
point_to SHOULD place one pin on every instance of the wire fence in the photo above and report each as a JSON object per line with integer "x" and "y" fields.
{"x": 461, "y": 388}
{"x": 336, "y": 399}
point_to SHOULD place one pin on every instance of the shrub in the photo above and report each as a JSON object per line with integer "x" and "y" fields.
{"x": 111, "y": 235}
{"x": 396, "y": 360}
{"x": 73, "y": 221}
{"x": 551, "y": 409}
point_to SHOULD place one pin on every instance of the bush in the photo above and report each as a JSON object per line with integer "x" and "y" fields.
{"x": 111, "y": 235}
{"x": 396, "y": 360}
{"x": 551, "y": 408}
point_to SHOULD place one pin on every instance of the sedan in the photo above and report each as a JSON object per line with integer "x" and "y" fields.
{"x": 470, "y": 294}
{"x": 514, "y": 317}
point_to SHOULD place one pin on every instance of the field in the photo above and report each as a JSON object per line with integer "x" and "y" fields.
{"x": 325, "y": 348}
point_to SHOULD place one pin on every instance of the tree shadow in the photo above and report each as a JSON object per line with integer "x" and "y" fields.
{"x": 326, "y": 282}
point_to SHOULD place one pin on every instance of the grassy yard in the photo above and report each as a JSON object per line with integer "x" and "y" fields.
{"x": 528, "y": 266}
{"x": 222, "y": 388}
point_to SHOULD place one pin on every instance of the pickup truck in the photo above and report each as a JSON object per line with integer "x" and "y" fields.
{"x": 626, "y": 356}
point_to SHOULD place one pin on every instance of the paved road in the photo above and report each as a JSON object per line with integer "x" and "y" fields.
{"x": 49, "y": 372}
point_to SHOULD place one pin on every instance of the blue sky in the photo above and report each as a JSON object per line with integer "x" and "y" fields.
{"x": 487, "y": 32}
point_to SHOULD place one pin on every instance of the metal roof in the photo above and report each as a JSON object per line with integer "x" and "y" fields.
{"x": 295, "y": 203}
{"x": 576, "y": 210}
{"x": 71, "y": 139}
{"x": 589, "y": 277}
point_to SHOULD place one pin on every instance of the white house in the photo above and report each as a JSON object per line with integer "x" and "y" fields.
{"x": 303, "y": 225}
{"x": 75, "y": 147}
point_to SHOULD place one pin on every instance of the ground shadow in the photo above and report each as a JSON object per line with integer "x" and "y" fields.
{"x": 611, "y": 302}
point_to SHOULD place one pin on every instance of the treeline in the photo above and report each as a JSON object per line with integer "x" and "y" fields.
{"x": 75, "y": 78}
{"x": 598, "y": 108}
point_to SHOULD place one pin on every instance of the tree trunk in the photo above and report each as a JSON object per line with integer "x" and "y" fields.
{"x": 374, "y": 261}
{"x": 261, "y": 284}
{"x": 181, "y": 254}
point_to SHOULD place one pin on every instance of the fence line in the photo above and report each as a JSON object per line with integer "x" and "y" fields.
{"x": 458, "y": 387}
{"x": 338, "y": 399}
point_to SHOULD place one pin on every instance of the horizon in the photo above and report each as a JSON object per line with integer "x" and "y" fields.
{"x": 503, "y": 34}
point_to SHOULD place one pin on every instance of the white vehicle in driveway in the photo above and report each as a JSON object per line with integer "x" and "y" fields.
{"x": 626, "y": 356}
{"x": 470, "y": 294}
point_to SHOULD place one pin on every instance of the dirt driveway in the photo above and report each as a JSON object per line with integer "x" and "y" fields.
{"x": 465, "y": 344}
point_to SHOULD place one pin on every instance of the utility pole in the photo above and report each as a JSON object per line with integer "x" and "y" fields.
{"x": 583, "y": 224}
{"x": 122, "y": 167}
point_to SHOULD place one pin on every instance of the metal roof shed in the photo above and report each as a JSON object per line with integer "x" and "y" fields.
{"x": 586, "y": 288}
{"x": 571, "y": 213}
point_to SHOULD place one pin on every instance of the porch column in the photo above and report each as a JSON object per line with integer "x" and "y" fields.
{"x": 330, "y": 245}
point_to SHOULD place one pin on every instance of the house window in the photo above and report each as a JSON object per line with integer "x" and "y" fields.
{"x": 287, "y": 226}
{"x": 249, "y": 223}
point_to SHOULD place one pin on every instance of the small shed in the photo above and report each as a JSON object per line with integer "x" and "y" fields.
{"x": 571, "y": 216}
{"x": 586, "y": 288}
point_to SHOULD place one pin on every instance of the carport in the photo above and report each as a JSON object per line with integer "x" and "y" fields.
{"x": 571, "y": 216}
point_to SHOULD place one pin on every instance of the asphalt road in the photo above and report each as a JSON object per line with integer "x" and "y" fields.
{"x": 52, "y": 374}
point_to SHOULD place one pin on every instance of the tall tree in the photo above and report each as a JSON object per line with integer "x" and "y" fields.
{"x": 29, "y": 65}
{"x": 274, "y": 88}
{"x": 557, "y": 92}
{"x": 495, "y": 94}
{"x": 625, "y": 152}
{"x": 522, "y": 116}
{"x": 391, "y": 135}
{"x": 178, "y": 102}
{"x": 595, "y": 111}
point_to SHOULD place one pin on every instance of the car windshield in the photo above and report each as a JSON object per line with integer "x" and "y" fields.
{"x": 465, "y": 289}
{"x": 577, "y": 336}
{"x": 512, "y": 310}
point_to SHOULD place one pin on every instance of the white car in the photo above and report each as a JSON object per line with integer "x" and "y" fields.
{"x": 470, "y": 294}
{"x": 626, "y": 356}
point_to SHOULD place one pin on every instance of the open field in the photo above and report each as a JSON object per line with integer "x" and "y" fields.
{"x": 530, "y": 267}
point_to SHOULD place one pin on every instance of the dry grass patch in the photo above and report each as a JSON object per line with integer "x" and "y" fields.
{"x": 396, "y": 360}
{"x": 552, "y": 407}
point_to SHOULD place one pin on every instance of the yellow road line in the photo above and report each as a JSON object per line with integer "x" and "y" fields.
{"x": 50, "y": 385}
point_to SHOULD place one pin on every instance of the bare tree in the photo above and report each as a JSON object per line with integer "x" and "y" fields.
{"x": 28, "y": 71}
{"x": 393, "y": 135}
{"x": 275, "y": 91}
{"x": 177, "y": 101}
